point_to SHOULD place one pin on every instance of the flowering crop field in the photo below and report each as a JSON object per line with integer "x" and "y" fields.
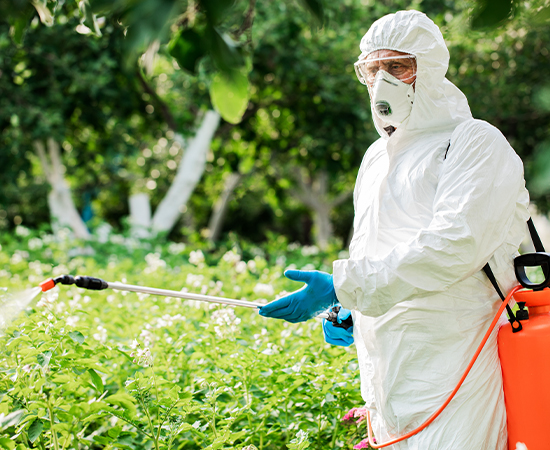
{"x": 116, "y": 370}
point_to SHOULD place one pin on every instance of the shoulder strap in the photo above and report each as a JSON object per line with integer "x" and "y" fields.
{"x": 516, "y": 324}
{"x": 447, "y": 151}
{"x": 535, "y": 236}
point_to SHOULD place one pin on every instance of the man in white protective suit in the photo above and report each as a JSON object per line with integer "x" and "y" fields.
{"x": 438, "y": 196}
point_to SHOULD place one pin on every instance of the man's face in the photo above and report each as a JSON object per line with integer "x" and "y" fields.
{"x": 401, "y": 65}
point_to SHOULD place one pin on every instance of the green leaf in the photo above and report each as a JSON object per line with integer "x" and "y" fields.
{"x": 230, "y": 94}
{"x": 541, "y": 98}
{"x": 123, "y": 400}
{"x": 301, "y": 441}
{"x": 147, "y": 21}
{"x": 19, "y": 25}
{"x": 44, "y": 358}
{"x": 543, "y": 15}
{"x": 11, "y": 419}
{"x": 96, "y": 379}
{"x": 7, "y": 443}
{"x": 77, "y": 336}
{"x": 187, "y": 48}
{"x": 223, "y": 51}
{"x": 88, "y": 18}
{"x": 216, "y": 10}
{"x": 315, "y": 7}
{"x": 114, "y": 432}
{"x": 35, "y": 430}
{"x": 46, "y": 16}
{"x": 491, "y": 13}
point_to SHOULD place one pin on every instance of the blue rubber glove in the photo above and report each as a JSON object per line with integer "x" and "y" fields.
{"x": 302, "y": 305}
{"x": 335, "y": 335}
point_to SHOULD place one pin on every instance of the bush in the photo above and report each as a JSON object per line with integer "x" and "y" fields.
{"x": 110, "y": 369}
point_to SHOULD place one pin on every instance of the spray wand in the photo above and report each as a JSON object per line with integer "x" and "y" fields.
{"x": 97, "y": 284}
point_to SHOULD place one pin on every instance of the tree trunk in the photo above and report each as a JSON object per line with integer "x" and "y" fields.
{"x": 322, "y": 226}
{"x": 314, "y": 194}
{"x": 220, "y": 207}
{"x": 189, "y": 173}
{"x": 140, "y": 215}
{"x": 62, "y": 209}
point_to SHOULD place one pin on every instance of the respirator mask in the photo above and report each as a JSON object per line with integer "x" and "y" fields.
{"x": 387, "y": 79}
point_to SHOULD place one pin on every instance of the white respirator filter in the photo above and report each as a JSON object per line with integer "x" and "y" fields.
{"x": 392, "y": 99}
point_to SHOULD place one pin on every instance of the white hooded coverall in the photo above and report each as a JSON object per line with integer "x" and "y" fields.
{"x": 424, "y": 227}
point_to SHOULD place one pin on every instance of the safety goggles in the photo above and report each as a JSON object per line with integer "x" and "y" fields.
{"x": 401, "y": 67}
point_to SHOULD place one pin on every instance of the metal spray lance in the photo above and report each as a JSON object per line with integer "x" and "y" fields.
{"x": 97, "y": 284}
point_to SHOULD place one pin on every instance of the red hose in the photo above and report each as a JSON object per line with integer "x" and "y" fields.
{"x": 466, "y": 372}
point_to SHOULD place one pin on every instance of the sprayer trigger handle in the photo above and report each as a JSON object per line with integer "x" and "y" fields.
{"x": 333, "y": 317}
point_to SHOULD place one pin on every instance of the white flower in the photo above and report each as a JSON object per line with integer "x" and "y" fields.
{"x": 20, "y": 230}
{"x": 164, "y": 321}
{"x": 48, "y": 298}
{"x": 196, "y": 257}
{"x": 72, "y": 320}
{"x": 35, "y": 243}
{"x": 147, "y": 336}
{"x": 240, "y": 267}
{"x": 36, "y": 266}
{"x": 101, "y": 334}
{"x": 194, "y": 280}
{"x": 521, "y": 446}
{"x": 251, "y": 265}
{"x": 264, "y": 289}
{"x": 231, "y": 257}
{"x": 309, "y": 250}
{"x": 176, "y": 248}
{"x": 142, "y": 356}
{"x": 154, "y": 262}
{"x": 64, "y": 234}
{"x": 225, "y": 323}
{"x": 134, "y": 345}
{"x": 281, "y": 260}
{"x": 19, "y": 256}
{"x": 60, "y": 270}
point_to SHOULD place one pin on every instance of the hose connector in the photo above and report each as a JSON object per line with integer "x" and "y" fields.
{"x": 95, "y": 284}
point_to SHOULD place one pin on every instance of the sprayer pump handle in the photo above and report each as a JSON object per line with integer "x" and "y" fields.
{"x": 538, "y": 259}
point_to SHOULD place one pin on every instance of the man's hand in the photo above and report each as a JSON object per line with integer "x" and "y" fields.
{"x": 335, "y": 335}
{"x": 302, "y": 305}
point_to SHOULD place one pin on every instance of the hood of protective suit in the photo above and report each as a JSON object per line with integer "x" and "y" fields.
{"x": 438, "y": 103}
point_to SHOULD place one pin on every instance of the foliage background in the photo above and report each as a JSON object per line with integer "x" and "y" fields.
{"x": 306, "y": 111}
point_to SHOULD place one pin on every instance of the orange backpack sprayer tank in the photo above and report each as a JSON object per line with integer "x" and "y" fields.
{"x": 525, "y": 360}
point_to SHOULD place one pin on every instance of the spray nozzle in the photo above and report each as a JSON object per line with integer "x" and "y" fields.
{"x": 95, "y": 284}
